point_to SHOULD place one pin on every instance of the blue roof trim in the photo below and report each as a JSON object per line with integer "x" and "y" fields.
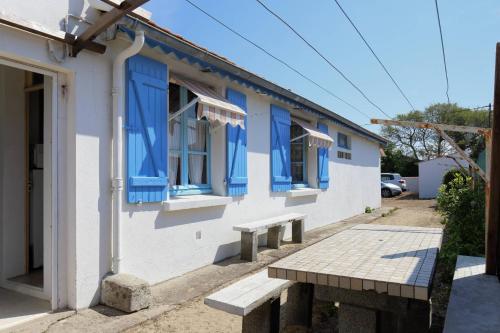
{"x": 167, "y": 49}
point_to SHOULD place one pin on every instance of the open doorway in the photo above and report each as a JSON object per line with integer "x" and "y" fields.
{"x": 33, "y": 242}
{"x": 25, "y": 181}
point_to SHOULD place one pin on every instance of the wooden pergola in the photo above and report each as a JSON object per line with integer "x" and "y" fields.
{"x": 491, "y": 175}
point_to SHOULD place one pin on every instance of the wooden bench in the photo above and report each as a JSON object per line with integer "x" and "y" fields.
{"x": 257, "y": 299}
{"x": 249, "y": 233}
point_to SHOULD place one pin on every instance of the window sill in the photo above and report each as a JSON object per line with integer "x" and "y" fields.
{"x": 195, "y": 201}
{"x": 302, "y": 192}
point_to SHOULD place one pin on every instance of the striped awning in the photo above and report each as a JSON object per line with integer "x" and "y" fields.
{"x": 315, "y": 137}
{"x": 212, "y": 106}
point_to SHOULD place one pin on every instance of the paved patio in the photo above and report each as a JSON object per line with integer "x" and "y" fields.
{"x": 173, "y": 293}
{"x": 475, "y": 299}
{"x": 16, "y": 308}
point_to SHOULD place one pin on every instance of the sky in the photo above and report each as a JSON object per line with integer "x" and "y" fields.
{"x": 404, "y": 34}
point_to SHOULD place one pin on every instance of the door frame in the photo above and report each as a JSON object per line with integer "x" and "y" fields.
{"x": 50, "y": 290}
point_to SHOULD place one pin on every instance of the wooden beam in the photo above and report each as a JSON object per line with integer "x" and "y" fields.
{"x": 106, "y": 20}
{"x": 493, "y": 199}
{"x": 62, "y": 37}
{"x": 416, "y": 124}
{"x": 459, "y": 150}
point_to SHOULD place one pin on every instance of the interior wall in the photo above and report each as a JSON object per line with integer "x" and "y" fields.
{"x": 12, "y": 171}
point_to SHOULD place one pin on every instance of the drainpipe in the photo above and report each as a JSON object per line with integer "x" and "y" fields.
{"x": 117, "y": 162}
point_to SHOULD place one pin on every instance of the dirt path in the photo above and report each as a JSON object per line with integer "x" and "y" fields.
{"x": 197, "y": 317}
{"x": 411, "y": 211}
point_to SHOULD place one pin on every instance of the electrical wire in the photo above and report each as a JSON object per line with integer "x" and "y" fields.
{"x": 276, "y": 58}
{"x": 323, "y": 57}
{"x": 444, "y": 54}
{"x": 375, "y": 55}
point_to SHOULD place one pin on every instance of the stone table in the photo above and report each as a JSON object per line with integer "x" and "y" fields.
{"x": 381, "y": 275}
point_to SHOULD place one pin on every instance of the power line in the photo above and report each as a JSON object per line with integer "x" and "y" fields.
{"x": 276, "y": 58}
{"x": 375, "y": 55}
{"x": 444, "y": 54}
{"x": 322, "y": 56}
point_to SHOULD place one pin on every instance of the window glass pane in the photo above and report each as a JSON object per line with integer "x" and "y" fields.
{"x": 297, "y": 173}
{"x": 197, "y": 169}
{"x": 197, "y": 135}
{"x": 342, "y": 140}
{"x": 174, "y": 126}
{"x": 173, "y": 98}
{"x": 297, "y": 154}
{"x": 174, "y": 169}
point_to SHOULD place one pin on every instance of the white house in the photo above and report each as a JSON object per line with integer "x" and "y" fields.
{"x": 431, "y": 173}
{"x": 141, "y": 159}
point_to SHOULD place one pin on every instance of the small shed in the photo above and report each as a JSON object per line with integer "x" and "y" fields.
{"x": 431, "y": 173}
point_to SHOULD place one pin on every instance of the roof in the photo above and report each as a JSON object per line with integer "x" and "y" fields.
{"x": 183, "y": 49}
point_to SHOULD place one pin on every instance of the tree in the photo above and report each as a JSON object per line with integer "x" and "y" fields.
{"x": 424, "y": 144}
{"x": 395, "y": 161}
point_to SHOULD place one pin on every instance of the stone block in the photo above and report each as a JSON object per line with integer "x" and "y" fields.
{"x": 249, "y": 245}
{"x": 125, "y": 292}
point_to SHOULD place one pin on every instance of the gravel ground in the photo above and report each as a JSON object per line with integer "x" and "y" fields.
{"x": 197, "y": 317}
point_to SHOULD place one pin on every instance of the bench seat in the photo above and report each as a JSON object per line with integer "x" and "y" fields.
{"x": 268, "y": 223}
{"x": 249, "y": 231}
{"x": 244, "y": 296}
{"x": 257, "y": 299}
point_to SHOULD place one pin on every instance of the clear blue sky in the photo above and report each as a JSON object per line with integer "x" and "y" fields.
{"x": 404, "y": 34}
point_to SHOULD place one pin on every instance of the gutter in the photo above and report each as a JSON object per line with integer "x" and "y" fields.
{"x": 117, "y": 157}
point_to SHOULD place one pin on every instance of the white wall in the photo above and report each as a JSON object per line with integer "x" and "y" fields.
{"x": 169, "y": 238}
{"x": 12, "y": 171}
{"x": 431, "y": 173}
{"x": 411, "y": 184}
{"x": 158, "y": 245}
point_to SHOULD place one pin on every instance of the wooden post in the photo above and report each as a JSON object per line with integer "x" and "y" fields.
{"x": 493, "y": 204}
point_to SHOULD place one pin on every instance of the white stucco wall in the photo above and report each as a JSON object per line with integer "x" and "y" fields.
{"x": 158, "y": 245}
{"x": 169, "y": 238}
{"x": 431, "y": 173}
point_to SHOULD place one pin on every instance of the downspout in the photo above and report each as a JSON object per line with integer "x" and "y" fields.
{"x": 117, "y": 182}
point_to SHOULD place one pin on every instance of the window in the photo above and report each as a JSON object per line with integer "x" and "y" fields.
{"x": 343, "y": 141}
{"x": 387, "y": 177}
{"x": 344, "y": 155}
{"x": 298, "y": 155}
{"x": 189, "y": 146}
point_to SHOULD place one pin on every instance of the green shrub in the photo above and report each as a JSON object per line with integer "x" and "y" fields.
{"x": 463, "y": 211}
{"x": 369, "y": 210}
{"x": 450, "y": 175}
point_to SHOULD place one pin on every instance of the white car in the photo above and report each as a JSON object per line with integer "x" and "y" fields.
{"x": 395, "y": 179}
{"x": 389, "y": 190}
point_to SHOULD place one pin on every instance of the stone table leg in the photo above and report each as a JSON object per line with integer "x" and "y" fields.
{"x": 265, "y": 318}
{"x": 274, "y": 237}
{"x": 249, "y": 243}
{"x": 298, "y": 231}
{"x": 299, "y": 304}
{"x": 353, "y": 319}
{"x": 417, "y": 319}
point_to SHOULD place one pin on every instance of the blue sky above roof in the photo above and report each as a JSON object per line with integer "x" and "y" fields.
{"x": 404, "y": 34}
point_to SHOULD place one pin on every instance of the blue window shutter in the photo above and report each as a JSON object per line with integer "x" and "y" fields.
{"x": 281, "y": 179}
{"x": 323, "y": 159}
{"x": 236, "y": 150}
{"x": 146, "y": 125}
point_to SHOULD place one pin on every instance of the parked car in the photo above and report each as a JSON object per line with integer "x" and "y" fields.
{"x": 389, "y": 190}
{"x": 394, "y": 178}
